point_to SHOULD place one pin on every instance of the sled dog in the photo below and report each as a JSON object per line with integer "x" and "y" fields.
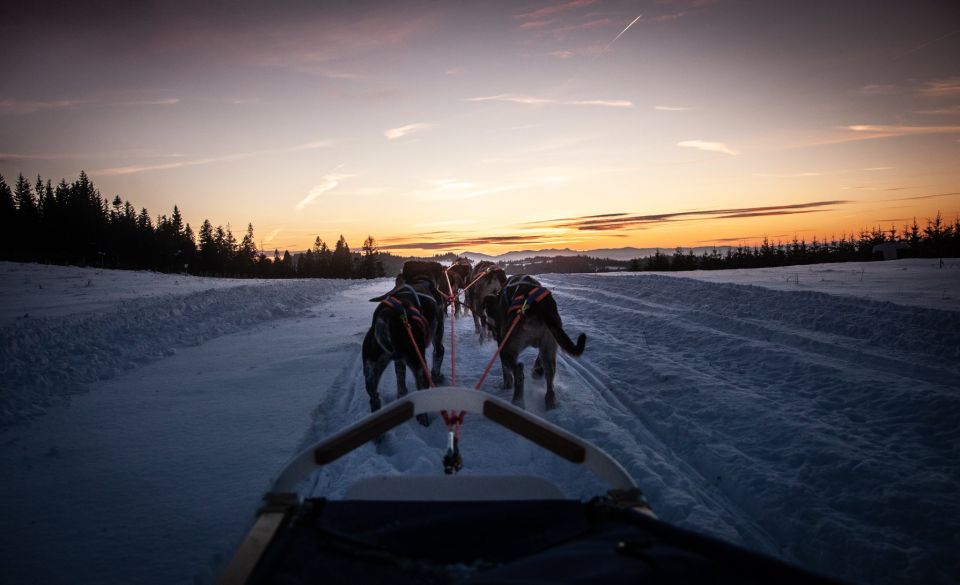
{"x": 539, "y": 326}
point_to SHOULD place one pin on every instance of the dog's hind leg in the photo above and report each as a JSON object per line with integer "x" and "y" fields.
{"x": 375, "y": 359}
{"x": 518, "y": 384}
{"x": 400, "y": 369}
{"x": 512, "y": 374}
{"x": 508, "y": 362}
{"x": 537, "y": 372}
{"x": 438, "y": 351}
{"x": 422, "y": 384}
{"x": 548, "y": 360}
{"x": 372, "y": 370}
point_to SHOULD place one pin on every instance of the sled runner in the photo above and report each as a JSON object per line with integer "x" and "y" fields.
{"x": 479, "y": 528}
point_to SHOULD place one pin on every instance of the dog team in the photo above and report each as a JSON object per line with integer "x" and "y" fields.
{"x": 410, "y": 318}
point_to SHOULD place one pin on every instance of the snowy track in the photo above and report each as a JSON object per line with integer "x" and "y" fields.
{"x": 814, "y": 427}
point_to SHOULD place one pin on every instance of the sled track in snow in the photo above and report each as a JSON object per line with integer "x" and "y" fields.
{"x": 776, "y": 398}
{"x": 766, "y": 418}
{"x": 661, "y": 469}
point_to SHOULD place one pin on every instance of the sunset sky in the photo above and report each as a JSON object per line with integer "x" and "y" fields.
{"x": 496, "y": 125}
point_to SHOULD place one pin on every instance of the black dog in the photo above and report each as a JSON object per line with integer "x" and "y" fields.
{"x": 411, "y": 310}
{"x": 540, "y": 326}
{"x": 487, "y": 279}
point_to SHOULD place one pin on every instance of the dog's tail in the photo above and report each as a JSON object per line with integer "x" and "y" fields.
{"x": 552, "y": 319}
{"x": 566, "y": 344}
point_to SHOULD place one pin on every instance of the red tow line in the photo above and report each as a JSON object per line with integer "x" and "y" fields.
{"x": 416, "y": 348}
{"x": 513, "y": 326}
{"x": 452, "y": 299}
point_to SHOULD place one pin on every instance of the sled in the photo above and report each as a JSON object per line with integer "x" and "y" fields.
{"x": 479, "y": 528}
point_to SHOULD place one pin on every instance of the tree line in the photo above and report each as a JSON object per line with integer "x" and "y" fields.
{"x": 72, "y": 223}
{"x": 938, "y": 239}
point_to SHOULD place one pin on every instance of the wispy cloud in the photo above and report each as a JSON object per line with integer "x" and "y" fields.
{"x": 945, "y": 111}
{"x": 939, "y": 88}
{"x": 328, "y": 182}
{"x": 604, "y": 103}
{"x": 537, "y": 101}
{"x": 318, "y": 42}
{"x": 874, "y": 169}
{"x": 142, "y": 168}
{"x": 874, "y": 131}
{"x": 464, "y": 243}
{"x": 708, "y": 146}
{"x": 41, "y": 156}
{"x": 134, "y": 169}
{"x": 12, "y": 106}
{"x": 933, "y": 196}
{"x": 149, "y": 102}
{"x": 273, "y": 235}
{"x": 738, "y": 239}
{"x": 553, "y": 9}
{"x": 672, "y": 108}
{"x": 788, "y": 175}
{"x": 15, "y": 106}
{"x": 619, "y": 221}
{"x": 879, "y": 89}
{"x": 394, "y": 133}
{"x": 562, "y": 31}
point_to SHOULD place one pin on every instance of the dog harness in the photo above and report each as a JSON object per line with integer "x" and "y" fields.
{"x": 522, "y": 302}
{"x": 409, "y": 313}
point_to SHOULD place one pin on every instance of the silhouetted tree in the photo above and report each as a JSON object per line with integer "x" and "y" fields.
{"x": 8, "y": 219}
{"x": 370, "y": 265}
{"x": 341, "y": 263}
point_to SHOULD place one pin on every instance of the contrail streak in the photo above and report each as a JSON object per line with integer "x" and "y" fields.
{"x": 623, "y": 31}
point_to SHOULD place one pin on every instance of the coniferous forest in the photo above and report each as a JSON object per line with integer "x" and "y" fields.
{"x": 71, "y": 223}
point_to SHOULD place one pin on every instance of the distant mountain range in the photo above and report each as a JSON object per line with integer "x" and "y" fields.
{"x": 628, "y": 253}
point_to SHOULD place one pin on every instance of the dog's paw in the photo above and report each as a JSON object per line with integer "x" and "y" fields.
{"x": 551, "y": 401}
{"x": 439, "y": 380}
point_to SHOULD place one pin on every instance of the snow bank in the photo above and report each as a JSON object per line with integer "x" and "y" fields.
{"x": 45, "y": 358}
{"x": 918, "y": 282}
{"x": 819, "y": 428}
{"x": 45, "y": 290}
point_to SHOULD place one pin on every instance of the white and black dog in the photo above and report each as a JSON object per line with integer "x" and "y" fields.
{"x": 539, "y": 327}
{"x": 412, "y": 309}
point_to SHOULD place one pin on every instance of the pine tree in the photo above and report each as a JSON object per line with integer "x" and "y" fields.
{"x": 324, "y": 260}
{"x": 247, "y": 252}
{"x": 176, "y": 222}
{"x": 341, "y": 262}
{"x": 208, "y": 248}
{"x": 8, "y": 215}
{"x": 370, "y": 266}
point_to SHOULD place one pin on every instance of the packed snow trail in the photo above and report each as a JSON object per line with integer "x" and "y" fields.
{"x": 812, "y": 427}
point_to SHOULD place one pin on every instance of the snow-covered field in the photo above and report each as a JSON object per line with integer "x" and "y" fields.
{"x": 812, "y": 417}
